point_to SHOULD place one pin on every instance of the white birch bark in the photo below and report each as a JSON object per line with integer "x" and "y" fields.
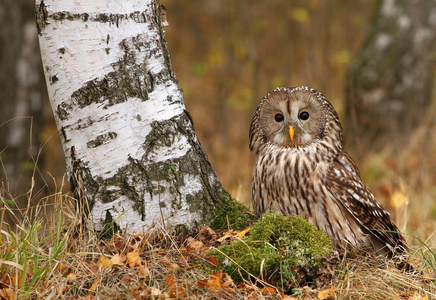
{"x": 129, "y": 143}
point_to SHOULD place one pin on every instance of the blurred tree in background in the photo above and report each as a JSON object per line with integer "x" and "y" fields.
{"x": 229, "y": 54}
{"x": 26, "y": 120}
{"x": 390, "y": 84}
{"x": 390, "y": 107}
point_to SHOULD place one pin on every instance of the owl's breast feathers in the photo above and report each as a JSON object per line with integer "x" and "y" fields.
{"x": 300, "y": 182}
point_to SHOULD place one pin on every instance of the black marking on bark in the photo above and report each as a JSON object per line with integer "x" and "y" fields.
{"x": 61, "y": 112}
{"x": 63, "y": 133}
{"x": 102, "y": 139}
{"x": 115, "y": 19}
{"x": 53, "y": 79}
{"x": 41, "y": 17}
{"x": 130, "y": 78}
{"x": 158, "y": 22}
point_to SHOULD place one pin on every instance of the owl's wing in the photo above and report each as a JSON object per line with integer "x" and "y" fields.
{"x": 344, "y": 182}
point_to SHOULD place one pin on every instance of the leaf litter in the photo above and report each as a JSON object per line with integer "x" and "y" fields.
{"x": 156, "y": 266}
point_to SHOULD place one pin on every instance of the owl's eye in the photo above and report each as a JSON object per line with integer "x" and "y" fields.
{"x": 304, "y": 115}
{"x": 279, "y": 117}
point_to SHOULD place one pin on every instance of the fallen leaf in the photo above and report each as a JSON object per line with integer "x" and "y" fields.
{"x": 61, "y": 267}
{"x": 7, "y": 293}
{"x": 143, "y": 272}
{"x": 213, "y": 261}
{"x": 169, "y": 279}
{"x": 155, "y": 291}
{"x": 416, "y": 296}
{"x": 207, "y": 233}
{"x": 94, "y": 286}
{"x": 175, "y": 290}
{"x": 104, "y": 262}
{"x": 71, "y": 277}
{"x": 170, "y": 265}
{"x": 327, "y": 294}
{"x": 214, "y": 283}
{"x": 270, "y": 290}
{"x": 92, "y": 267}
{"x": 133, "y": 258}
{"x": 243, "y": 232}
{"x": 202, "y": 283}
{"x": 117, "y": 259}
{"x": 193, "y": 243}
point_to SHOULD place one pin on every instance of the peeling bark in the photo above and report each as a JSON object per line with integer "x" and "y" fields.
{"x": 130, "y": 146}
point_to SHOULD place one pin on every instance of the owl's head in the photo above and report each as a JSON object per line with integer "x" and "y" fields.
{"x": 291, "y": 117}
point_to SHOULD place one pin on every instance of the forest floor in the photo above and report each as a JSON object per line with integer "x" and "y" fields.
{"x": 60, "y": 259}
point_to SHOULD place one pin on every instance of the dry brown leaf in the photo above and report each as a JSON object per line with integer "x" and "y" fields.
{"x": 175, "y": 290}
{"x": 417, "y": 296}
{"x": 202, "y": 283}
{"x": 170, "y": 265}
{"x": 143, "y": 272}
{"x": 7, "y": 293}
{"x": 94, "y": 286}
{"x": 61, "y": 267}
{"x": 155, "y": 291}
{"x": 104, "y": 262}
{"x": 327, "y": 294}
{"x": 193, "y": 243}
{"x": 207, "y": 233}
{"x": 224, "y": 239}
{"x": 117, "y": 259}
{"x": 92, "y": 266}
{"x": 269, "y": 290}
{"x": 133, "y": 259}
{"x": 213, "y": 261}
{"x": 169, "y": 279}
{"x": 71, "y": 277}
{"x": 214, "y": 283}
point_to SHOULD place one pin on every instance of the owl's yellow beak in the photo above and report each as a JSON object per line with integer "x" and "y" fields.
{"x": 291, "y": 132}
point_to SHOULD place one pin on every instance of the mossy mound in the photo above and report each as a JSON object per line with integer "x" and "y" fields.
{"x": 233, "y": 214}
{"x": 284, "y": 251}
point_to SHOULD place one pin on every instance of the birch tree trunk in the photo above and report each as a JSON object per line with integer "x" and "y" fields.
{"x": 389, "y": 91}
{"x": 129, "y": 143}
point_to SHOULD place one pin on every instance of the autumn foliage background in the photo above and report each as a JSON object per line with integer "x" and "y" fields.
{"x": 227, "y": 55}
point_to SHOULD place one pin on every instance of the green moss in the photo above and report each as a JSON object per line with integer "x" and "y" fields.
{"x": 285, "y": 251}
{"x": 231, "y": 213}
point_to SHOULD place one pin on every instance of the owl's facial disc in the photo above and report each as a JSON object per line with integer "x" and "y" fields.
{"x": 292, "y": 118}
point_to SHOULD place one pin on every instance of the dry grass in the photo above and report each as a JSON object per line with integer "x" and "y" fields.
{"x": 57, "y": 258}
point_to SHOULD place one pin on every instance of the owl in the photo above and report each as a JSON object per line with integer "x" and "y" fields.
{"x": 302, "y": 170}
